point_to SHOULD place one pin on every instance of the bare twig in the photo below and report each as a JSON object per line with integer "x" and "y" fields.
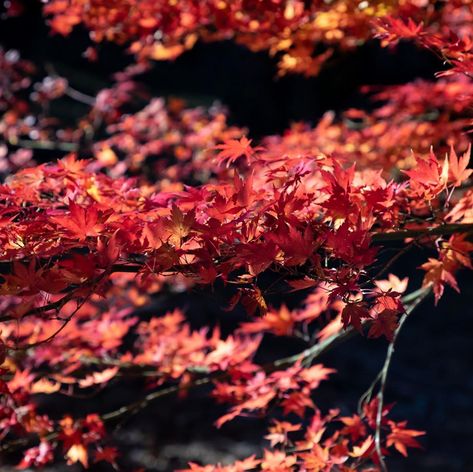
{"x": 420, "y": 295}
{"x": 44, "y": 144}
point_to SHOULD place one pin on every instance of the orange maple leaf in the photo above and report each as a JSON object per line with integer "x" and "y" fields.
{"x": 402, "y": 438}
{"x": 458, "y": 171}
{"x": 438, "y": 274}
{"x": 77, "y": 453}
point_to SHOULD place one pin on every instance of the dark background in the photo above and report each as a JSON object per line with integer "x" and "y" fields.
{"x": 431, "y": 377}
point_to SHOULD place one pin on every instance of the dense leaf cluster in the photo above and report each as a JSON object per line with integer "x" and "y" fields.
{"x": 171, "y": 198}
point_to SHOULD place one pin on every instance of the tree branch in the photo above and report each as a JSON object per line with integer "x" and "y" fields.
{"x": 44, "y": 144}
{"x": 442, "y": 230}
{"x": 422, "y": 294}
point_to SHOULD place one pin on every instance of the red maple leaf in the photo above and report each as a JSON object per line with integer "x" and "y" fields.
{"x": 233, "y": 149}
{"x": 384, "y": 325}
{"x": 391, "y": 30}
{"x": 353, "y": 313}
{"x": 428, "y": 178}
{"x": 81, "y": 222}
{"x": 107, "y": 454}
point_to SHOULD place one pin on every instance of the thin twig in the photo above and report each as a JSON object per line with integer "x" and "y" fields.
{"x": 80, "y": 96}
{"x": 420, "y": 296}
{"x": 44, "y": 144}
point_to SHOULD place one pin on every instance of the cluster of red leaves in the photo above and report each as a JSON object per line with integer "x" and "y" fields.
{"x": 348, "y": 447}
{"x": 171, "y": 141}
{"x": 293, "y": 30}
{"x": 168, "y": 140}
{"x": 27, "y": 124}
{"x": 250, "y": 388}
{"x": 447, "y": 33}
{"x": 67, "y": 357}
{"x": 306, "y": 216}
{"x": 411, "y": 117}
{"x": 15, "y": 77}
{"x": 164, "y": 138}
{"x": 59, "y": 228}
{"x": 19, "y": 416}
{"x": 83, "y": 245}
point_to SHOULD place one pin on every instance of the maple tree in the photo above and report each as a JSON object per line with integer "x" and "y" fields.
{"x": 150, "y": 196}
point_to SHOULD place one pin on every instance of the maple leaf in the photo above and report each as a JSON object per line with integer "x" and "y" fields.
{"x": 107, "y": 454}
{"x": 391, "y": 30}
{"x": 457, "y": 250}
{"x": 233, "y": 149}
{"x": 108, "y": 251}
{"x": 387, "y": 301}
{"x": 81, "y": 222}
{"x": 280, "y": 323}
{"x": 77, "y": 453}
{"x": 353, "y": 427}
{"x": 297, "y": 403}
{"x": 384, "y": 324}
{"x": 393, "y": 283}
{"x": 363, "y": 448}
{"x": 330, "y": 329}
{"x": 71, "y": 165}
{"x": 252, "y": 300}
{"x": 278, "y": 461}
{"x": 297, "y": 246}
{"x": 256, "y": 402}
{"x": 257, "y": 256}
{"x": 353, "y": 314}
{"x": 458, "y": 171}
{"x": 428, "y": 176}
{"x": 438, "y": 274}
{"x": 320, "y": 459}
{"x": 179, "y": 225}
{"x": 278, "y": 433}
{"x": 98, "y": 377}
{"x": 401, "y": 438}
{"x": 351, "y": 244}
{"x": 24, "y": 278}
{"x": 315, "y": 374}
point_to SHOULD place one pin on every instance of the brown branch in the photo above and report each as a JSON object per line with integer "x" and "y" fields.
{"x": 54, "y": 306}
{"x": 377, "y": 238}
{"x": 57, "y": 305}
{"x": 442, "y": 230}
